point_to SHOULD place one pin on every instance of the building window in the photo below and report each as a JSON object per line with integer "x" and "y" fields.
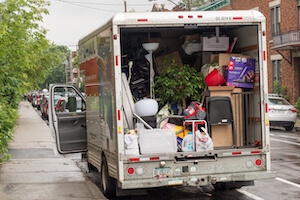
{"x": 275, "y": 20}
{"x": 277, "y": 72}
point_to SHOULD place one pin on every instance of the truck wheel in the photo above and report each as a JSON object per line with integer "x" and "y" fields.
{"x": 92, "y": 168}
{"x": 107, "y": 184}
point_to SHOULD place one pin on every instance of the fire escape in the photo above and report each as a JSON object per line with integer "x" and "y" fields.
{"x": 213, "y": 5}
{"x": 287, "y": 40}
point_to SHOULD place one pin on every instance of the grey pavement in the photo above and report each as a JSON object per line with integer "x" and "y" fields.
{"x": 36, "y": 171}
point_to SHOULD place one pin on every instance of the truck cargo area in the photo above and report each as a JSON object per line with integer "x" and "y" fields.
{"x": 233, "y": 109}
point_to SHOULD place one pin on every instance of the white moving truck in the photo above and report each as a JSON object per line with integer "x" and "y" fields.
{"x": 117, "y": 74}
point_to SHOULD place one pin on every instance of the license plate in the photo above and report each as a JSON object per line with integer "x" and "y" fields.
{"x": 162, "y": 172}
{"x": 177, "y": 181}
{"x": 280, "y": 111}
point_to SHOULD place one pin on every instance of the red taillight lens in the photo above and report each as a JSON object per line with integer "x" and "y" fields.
{"x": 258, "y": 162}
{"x": 130, "y": 170}
{"x": 293, "y": 110}
{"x": 271, "y": 109}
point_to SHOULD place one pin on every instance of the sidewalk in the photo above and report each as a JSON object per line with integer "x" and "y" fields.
{"x": 297, "y": 125}
{"x": 36, "y": 172}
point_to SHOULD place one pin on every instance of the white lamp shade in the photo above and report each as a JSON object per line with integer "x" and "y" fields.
{"x": 146, "y": 107}
{"x": 150, "y": 46}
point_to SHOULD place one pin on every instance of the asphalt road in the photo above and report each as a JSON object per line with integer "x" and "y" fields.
{"x": 285, "y": 158}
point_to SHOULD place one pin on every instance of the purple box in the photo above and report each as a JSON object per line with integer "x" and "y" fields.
{"x": 241, "y": 72}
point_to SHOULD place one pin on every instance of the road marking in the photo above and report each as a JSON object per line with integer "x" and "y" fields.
{"x": 285, "y": 136}
{"x": 249, "y": 194}
{"x": 288, "y": 182}
{"x": 283, "y": 141}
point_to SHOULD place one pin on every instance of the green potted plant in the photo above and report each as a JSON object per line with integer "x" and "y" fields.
{"x": 175, "y": 84}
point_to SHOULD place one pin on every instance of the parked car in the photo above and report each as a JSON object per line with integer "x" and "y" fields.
{"x": 59, "y": 104}
{"x": 63, "y": 106}
{"x": 44, "y": 106}
{"x": 281, "y": 113}
{"x": 34, "y": 99}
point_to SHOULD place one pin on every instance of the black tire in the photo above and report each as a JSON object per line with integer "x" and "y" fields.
{"x": 107, "y": 184}
{"x": 92, "y": 168}
{"x": 289, "y": 128}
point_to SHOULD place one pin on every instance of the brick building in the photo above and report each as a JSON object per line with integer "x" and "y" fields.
{"x": 283, "y": 38}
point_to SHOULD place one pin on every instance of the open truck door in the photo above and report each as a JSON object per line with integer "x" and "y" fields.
{"x": 68, "y": 121}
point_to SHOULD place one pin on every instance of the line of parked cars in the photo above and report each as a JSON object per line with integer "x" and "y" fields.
{"x": 40, "y": 101}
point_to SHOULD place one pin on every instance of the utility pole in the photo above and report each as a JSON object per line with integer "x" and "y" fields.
{"x": 125, "y": 6}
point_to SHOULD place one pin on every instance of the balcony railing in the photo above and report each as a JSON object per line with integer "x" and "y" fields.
{"x": 213, "y": 5}
{"x": 286, "y": 40}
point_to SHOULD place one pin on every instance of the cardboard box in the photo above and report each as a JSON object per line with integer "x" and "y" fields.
{"x": 221, "y": 135}
{"x": 211, "y": 44}
{"x": 166, "y": 44}
{"x": 161, "y": 60}
{"x": 223, "y": 59}
{"x": 237, "y": 109}
{"x": 241, "y": 72}
{"x": 192, "y": 38}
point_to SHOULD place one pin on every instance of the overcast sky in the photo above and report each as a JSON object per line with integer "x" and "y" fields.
{"x": 70, "y": 20}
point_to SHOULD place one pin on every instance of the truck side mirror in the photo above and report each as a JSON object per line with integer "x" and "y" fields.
{"x": 72, "y": 105}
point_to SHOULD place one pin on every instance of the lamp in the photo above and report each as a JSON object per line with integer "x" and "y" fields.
{"x": 151, "y": 47}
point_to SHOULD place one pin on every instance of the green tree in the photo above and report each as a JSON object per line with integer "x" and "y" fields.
{"x": 22, "y": 59}
{"x": 176, "y": 84}
{"x": 195, "y": 3}
{"x": 56, "y": 72}
{"x": 281, "y": 91}
{"x": 298, "y": 107}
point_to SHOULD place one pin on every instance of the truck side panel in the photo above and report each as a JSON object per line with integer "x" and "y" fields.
{"x": 99, "y": 79}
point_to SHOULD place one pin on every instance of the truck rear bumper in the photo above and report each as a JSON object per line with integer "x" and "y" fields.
{"x": 195, "y": 180}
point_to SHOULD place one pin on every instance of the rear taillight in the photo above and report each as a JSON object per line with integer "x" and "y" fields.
{"x": 271, "y": 109}
{"x": 293, "y": 110}
{"x": 130, "y": 170}
{"x": 258, "y": 162}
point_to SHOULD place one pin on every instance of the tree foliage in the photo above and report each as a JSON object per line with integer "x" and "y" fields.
{"x": 177, "y": 84}
{"x": 22, "y": 59}
{"x": 195, "y": 3}
{"x": 298, "y": 107}
{"x": 55, "y": 72}
{"x": 281, "y": 91}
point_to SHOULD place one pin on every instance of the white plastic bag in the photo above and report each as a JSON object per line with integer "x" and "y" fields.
{"x": 131, "y": 145}
{"x": 203, "y": 142}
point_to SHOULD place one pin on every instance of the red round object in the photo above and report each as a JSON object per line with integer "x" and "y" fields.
{"x": 258, "y": 162}
{"x": 214, "y": 78}
{"x": 130, "y": 170}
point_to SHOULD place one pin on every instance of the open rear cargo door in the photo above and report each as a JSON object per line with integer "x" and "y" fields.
{"x": 67, "y": 118}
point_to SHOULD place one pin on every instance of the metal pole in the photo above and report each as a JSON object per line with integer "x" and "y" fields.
{"x": 125, "y": 6}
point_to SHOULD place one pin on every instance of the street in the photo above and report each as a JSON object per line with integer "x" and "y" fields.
{"x": 285, "y": 161}
{"x": 36, "y": 171}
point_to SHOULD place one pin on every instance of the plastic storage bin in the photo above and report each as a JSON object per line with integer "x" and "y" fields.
{"x": 157, "y": 141}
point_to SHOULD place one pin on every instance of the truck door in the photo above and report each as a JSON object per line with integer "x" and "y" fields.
{"x": 68, "y": 123}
